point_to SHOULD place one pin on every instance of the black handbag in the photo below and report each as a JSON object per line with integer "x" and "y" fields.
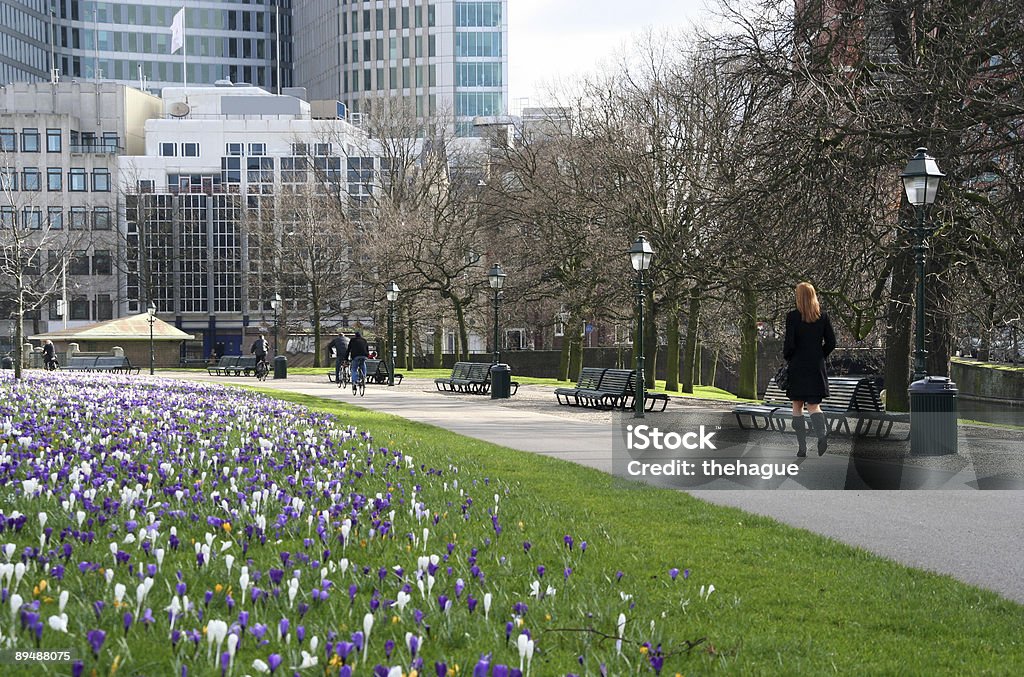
{"x": 782, "y": 376}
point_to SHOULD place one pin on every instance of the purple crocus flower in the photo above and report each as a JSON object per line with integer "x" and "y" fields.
{"x": 389, "y": 646}
{"x": 442, "y": 602}
{"x": 482, "y": 666}
{"x": 95, "y": 639}
{"x": 540, "y": 570}
{"x": 526, "y": 546}
{"x": 672, "y": 573}
{"x": 274, "y": 661}
{"x": 243, "y": 618}
{"x": 282, "y": 627}
{"x": 500, "y": 671}
{"x": 441, "y": 669}
{"x": 618, "y": 576}
{"x": 686, "y": 574}
{"x": 583, "y": 546}
{"x": 147, "y": 618}
{"x": 471, "y": 603}
{"x": 508, "y": 630}
{"x": 567, "y": 573}
{"x": 127, "y": 621}
{"x": 346, "y": 671}
{"x": 357, "y": 639}
{"x": 568, "y": 541}
{"x": 343, "y": 649}
{"x": 300, "y": 633}
{"x": 76, "y": 668}
{"x": 225, "y": 663}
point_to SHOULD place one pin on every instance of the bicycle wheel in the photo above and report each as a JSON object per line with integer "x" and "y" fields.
{"x": 261, "y": 371}
{"x": 362, "y": 387}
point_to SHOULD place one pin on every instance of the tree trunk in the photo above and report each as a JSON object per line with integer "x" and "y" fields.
{"x": 650, "y": 340}
{"x": 19, "y": 332}
{"x": 400, "y": 342}
{"x": 899, "y": 334}
{"x": 748, "y": 344}
{"x": 938, "y": 322}
{"x": 460, "y": 316}
{"x": 690, "y": 363}
{"x": 672, "y": 350}
{"x": 563, "y": 360}
{"x": 317, "y": 331}
{"x": 410, "y": 353}
{"x": 714, "y": 369}
{"x": 575, "y": 354}
{"x": 438, "y": 345}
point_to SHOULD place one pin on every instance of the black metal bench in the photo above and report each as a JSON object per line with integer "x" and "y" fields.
{"x": 377, "y": 372}
{"x": 225, "y": 362}
{"x": 471, "y": 377}
{"x": 650, "y": 399}
{"x": 589, "y": 379}
{"x": 81, "y": 363}
{"x": 115, "y": 364}
{"x": 850, "y": 397}
{"x": 245, "y": 366}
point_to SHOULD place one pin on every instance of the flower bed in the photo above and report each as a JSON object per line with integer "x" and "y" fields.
{"x": 165, "y": 527}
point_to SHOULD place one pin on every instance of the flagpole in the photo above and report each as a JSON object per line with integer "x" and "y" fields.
{"x": 184, "y": 53}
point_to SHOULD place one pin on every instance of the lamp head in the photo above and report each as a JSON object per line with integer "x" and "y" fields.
{"x": 641, "y": 254}
{"x": 921, "y": 178}
{"x": 391, "y": 291}
{"x": 496, "y": 276}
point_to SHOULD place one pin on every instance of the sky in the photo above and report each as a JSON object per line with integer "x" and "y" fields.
{"x": 552, "y": 40}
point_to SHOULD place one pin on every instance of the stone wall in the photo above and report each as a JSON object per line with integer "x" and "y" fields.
{"x": 984, "y": 382}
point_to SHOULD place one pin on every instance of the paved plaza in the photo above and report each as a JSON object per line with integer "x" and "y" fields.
{"x": 974, "y": 536}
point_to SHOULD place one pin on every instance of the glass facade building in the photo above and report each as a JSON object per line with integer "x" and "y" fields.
{"x": 127, "y": 41}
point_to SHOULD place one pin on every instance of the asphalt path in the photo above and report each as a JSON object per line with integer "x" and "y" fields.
{"x": 974, "y": 536}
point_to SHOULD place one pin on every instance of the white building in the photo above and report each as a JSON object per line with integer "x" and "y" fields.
{"x": 209, "y": 186}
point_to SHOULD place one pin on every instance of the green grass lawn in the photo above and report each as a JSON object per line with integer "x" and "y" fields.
{"x": 786, "y": 602}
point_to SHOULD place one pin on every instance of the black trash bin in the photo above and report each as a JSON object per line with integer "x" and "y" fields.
{"x": 501, "y": 381}
{"x": 933, "y": 411}
{"x": 280, "y": 367}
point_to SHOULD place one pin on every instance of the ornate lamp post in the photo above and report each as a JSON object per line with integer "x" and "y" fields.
{"x": 640, "y": 256}
{"x": 151, "y": 312}
{"x": 275, "y": 305}
{"x": 496, "y": 276}
{"x": 921, "y": 182}
{"x": 392, "y": 295}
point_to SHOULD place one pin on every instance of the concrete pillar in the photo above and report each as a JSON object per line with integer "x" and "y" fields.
{"x": 118, "y": 351}
{"x": 72, "y": 350}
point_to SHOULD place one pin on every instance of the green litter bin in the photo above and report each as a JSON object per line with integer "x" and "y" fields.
{"x": 933, "y": 411}
{"x": 501, "y": 381}
{"x": 280, "y": 367}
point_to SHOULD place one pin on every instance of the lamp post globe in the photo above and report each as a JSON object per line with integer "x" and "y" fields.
{"x": 641, "y": 254}
{"x": 921, "y": 179}
{"x": 151, "y": 318}
{"x": 496, "y": 278}
{"x": 275, "y": 305}
{"x": 391, "y": 292}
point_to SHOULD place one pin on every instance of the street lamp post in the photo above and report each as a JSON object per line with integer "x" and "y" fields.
{"x": 640, "y": 256}
{"x": 151, "y": 311}
{"x": 275, "y": 305}
{"x": 496, "y": 276}
{"x": 921, "y": 182}
{"x": 392, "y": 295}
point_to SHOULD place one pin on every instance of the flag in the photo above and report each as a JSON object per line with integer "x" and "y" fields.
{"x": 178, "y": 31}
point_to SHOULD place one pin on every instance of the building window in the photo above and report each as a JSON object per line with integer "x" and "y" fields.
{"x": 7, "y": 217}
{"x": 257, "y": 149}
{"x": 102, "y": 263}
{"x": 7, "y": 140}
{"x": 55, "y": 217}
{"x": 230, "y": 170}
{"x": 101, "y": 218}
{"x": 147, "y": 185}
{"x": 76, "y": 180}
{"x": 53, "y": 141}
{"x": 79, "y": 218}
{"x": 104, "y": 307}
{"x": 168, "y": 150}
{"x": 293, "y": 170}
{"x": 79, "y": 307}
{"x": 323, "y": 149}
{"x": 30, "y": 140}
{"x": 54, "y": 179}
{"x": 30, "y": 178}
{"x": 233, "y": 149}
{"x": 101, "y": 180}
{"x": 190, "y": 150}
{"x": 8, "y": 179}
{"x": 33, "y": 218}
{"x": 300, "y": 148}
{"x": 261, "y": 169}
{"x": 78, "y": 264}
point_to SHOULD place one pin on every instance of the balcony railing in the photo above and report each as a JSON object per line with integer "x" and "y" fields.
{"x": 111, "y": 148}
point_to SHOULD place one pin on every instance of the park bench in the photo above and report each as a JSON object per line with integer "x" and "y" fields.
{"x": 850, "y": 397}
{"x": 115, "y": 364}
{"x": 226, "y": 362}
{"x": 470, "y": 377}
{"x": 376, "y": 372}
{"x": 608, "y": 388}
{"x": 588, "y": 381}
{"x": 244, "y": 366}
{"x": 81, "y": 363}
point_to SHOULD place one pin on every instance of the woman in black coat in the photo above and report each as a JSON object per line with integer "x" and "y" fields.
{"x": 809, "y": 340}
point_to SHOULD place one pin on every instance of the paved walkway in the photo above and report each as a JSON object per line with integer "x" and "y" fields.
{"x": 974, "y": 536}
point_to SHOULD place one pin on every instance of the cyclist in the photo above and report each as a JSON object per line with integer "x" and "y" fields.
{"x": 260, "y": 348}
{"x": 49, "y": 356}
{"x": 338, "y": 347}
{"x": 358, "y": 350}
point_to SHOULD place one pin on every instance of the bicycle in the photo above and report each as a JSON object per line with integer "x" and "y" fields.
{"x": 344, "y": 375}
{"x": 52, "y": 364}
{"x": 359, "y": 386}
{"x": 261, "y": 370}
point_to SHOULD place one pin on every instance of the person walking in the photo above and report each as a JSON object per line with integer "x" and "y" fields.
{"x": 358, "y": 350}
{"x": 338, "y": 347}
{"x": 809, "y": 340}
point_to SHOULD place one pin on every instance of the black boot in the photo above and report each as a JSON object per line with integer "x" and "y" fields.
{"x": 821, "y": 431}
{"x": 800, "y": 428}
